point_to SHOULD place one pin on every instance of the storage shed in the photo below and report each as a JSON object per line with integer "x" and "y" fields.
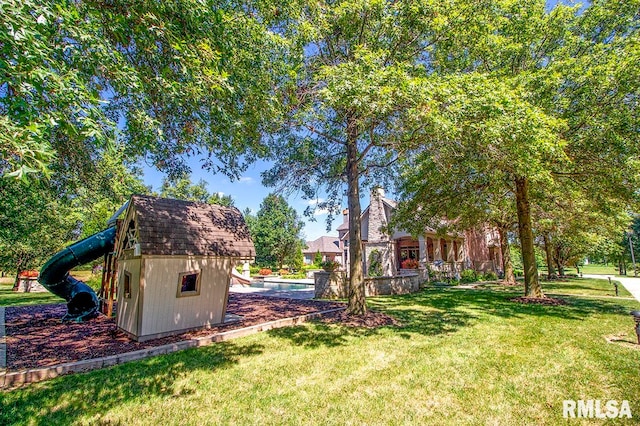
{"x": 174, "y": 264}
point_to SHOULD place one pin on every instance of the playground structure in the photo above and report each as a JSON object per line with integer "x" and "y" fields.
{"x": 167, "y": 265}
{"x": 82, "y": 302}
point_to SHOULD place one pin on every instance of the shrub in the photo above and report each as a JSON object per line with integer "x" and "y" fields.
{"x": 468, "y": 276}
{"x": 283, "y": 272}
{"x": 295, "y": 276}
{"x": 490, "y": 276}
{"x": 265, "y": 271}
{"x": 409, "y": 264}
{"x": 375, "y": 264}
{"x": 330, "y": 265}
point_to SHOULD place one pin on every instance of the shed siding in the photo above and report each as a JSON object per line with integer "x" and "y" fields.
{"x": 127, "y": 317}
{"x": 164, "y": 311}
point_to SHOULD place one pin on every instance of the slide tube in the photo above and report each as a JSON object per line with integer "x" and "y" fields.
{"x": 82, "y": 302}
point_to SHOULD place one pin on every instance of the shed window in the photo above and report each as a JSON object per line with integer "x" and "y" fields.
{"x": 189, "y": 283}
{"x": 126, "y": 285}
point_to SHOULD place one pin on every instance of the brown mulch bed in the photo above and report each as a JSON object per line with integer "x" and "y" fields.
{"x": 371, "y": 319}
{"x": 550, "y": 301}
{"x": 37, "y": 338}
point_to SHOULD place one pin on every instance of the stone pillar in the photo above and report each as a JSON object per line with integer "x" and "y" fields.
{"x": 437, "y": 245}
{"x": 422, "y": 255}
{"x": 246, "y": 271}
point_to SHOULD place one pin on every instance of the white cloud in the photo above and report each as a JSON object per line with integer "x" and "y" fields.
{"x": 246, "y": 179}
{"x": 320, "y": 212}
{"x": 316, "y": 201}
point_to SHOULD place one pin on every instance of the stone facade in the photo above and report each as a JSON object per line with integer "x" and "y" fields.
{"x": 334, "y": 285}
{"x": 445, "y": 255}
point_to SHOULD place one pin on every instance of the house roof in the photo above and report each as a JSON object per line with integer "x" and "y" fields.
{"x": 176, "y": 227}
{"x": 392, "y": 204}
{"x": 323, "y": 245}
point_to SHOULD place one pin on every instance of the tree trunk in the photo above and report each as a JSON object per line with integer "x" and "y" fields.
{"x": 547, "y": 248}
{"x": 507, "y": 265}
{"x": 357, "y": 303}
{"x": 531, "y": 284}
{"x": 559, "y": 263}
{"x": 16, "y": 282}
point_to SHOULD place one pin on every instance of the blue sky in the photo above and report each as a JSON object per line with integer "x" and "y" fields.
{"x": 249, "y": 192}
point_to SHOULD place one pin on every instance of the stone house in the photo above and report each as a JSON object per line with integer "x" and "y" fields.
{"x": 329, "y": 248}
{"x": 478, "y": 249}
{"x": 175, "y": 260}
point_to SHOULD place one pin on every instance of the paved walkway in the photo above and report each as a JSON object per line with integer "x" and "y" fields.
{"x": 630, "y": 283}
{"x": 287, "y": 294}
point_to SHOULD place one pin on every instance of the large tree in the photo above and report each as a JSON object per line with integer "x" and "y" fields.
{"x": 170, "y": 79}
{"x": 275, "y": 231}
{"x": 348, "y": 119}
{"x": 543, "y": 99}
{"x": 34, "y": 223}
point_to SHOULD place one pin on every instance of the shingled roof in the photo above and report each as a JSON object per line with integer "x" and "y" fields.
{"x": 323, "y": 245}
{"x": 176, "y": 227}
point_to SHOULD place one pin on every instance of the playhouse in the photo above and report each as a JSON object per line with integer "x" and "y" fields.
{"x": 174, "y": 264}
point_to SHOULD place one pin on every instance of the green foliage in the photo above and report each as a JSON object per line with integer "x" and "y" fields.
{"x": 168, "y": 78}
{"x": 468, "y": 276}
{"x": 296, "y": 276}
{"x": 275, "y": 231}
{"x": 181, "y": 188}
{"x": 375, "y": 264}
{"x": 317, "y": 259}
{"x": 330, "y": 265}
{"x": 489, "y": 276}
{"x": 34, "y": 224}
{"x": 297, "y": 261}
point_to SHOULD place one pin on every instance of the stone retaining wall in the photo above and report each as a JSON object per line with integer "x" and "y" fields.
{"x": 334, "y": 285}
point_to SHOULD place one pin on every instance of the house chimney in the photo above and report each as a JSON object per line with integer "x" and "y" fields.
{"x": 377, "y": 216}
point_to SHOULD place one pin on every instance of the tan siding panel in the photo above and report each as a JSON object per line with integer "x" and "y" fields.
{"x": 127, "y": 317}
{"x": 165, "y": 312}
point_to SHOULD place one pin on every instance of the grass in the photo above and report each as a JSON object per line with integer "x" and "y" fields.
{"x": 570, "y": 287}
{"x": 461, "y": 357}
{"x": 8, "y": 297}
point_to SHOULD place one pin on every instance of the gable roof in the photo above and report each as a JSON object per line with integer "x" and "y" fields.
{"x": 175, "y": 227}
{"x": 323, "y": 245}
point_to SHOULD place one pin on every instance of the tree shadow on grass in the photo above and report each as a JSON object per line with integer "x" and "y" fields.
{"x": 433, "y": 312}
{"x": 62, "y": 400}
{"x": 321, "y": 334}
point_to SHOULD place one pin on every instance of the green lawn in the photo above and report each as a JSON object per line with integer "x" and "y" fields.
{"x": 9, "y": 297}
{"x": 570, "y": 286}
{"x": 461, "y": 357}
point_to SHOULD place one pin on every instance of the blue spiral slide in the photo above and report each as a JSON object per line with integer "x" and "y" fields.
{"x": 82, "y": 302}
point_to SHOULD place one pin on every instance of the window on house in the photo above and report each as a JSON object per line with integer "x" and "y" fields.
{"x": 189, "y": 283}
{"x": 126, "y": 285}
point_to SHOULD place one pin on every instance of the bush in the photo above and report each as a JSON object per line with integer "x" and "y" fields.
{"x": 283, "y": 272}
{"x": 518, "y": 272}
{"x": 297, "y": 276}
{"x": 490, "y": 276}
{"x": 375, "y": 264}
{"x": 468, "y": 276}
{"x": 330, "y": 265}
{"x": 265, "y": 271}
{"x": 409, "y": 264}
